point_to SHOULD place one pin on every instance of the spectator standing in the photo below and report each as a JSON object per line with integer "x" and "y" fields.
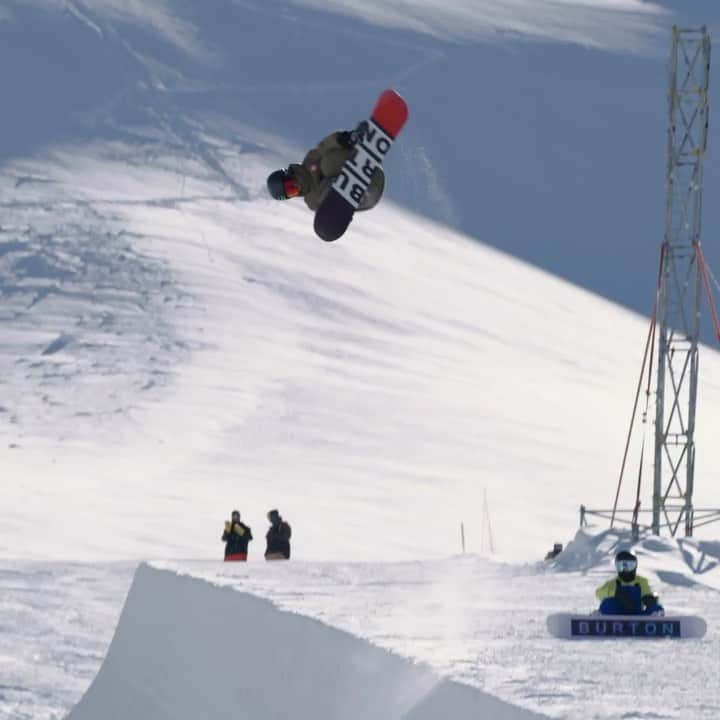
{"x": 278, "y": 537}
{"x": 236, "y": 537}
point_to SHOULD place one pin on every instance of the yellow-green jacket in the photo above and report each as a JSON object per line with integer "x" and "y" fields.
{"x": 607, "y": 590}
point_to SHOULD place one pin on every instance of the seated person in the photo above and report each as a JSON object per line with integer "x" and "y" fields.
{"x": 628, "y": 593}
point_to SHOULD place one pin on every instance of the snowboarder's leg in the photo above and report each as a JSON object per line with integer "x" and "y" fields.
{"x": 236, "y": 557}
{"x": 374, "y": 192}
{"x": 612, "y": 606}
{"x": 357, "y": 174}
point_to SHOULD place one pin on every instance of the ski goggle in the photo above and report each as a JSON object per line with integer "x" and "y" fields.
{"x": 625, "y": 565}
{"x": 291, "y": 186}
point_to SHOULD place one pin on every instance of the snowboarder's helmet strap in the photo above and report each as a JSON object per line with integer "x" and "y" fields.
{"x": 282, "y": 185}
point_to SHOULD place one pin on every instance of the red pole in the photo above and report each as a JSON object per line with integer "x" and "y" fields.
{"x": 708, "y": 289}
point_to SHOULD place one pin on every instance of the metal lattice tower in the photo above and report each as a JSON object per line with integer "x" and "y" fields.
{"x": 681, "y": 283}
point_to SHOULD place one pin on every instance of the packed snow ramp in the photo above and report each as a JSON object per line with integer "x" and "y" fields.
{"x": 186, "y": 649}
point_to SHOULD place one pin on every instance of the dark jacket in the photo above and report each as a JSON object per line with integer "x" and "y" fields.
{"x": 278, "y": 539}
{"x": 237, "y": 539}
{"x": 322, "y": 165}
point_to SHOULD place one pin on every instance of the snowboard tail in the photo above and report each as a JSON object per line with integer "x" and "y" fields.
{"x": 571, "y": 627}
{"x": 347, "y": 191}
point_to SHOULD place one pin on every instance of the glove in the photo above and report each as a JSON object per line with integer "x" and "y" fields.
{"x": 650, "y": 601}
{"x": 359, "y": 132}
{"x": 227, "y": 526}
{"x": 239, "y": 530}
{"x": 349, "y": 138}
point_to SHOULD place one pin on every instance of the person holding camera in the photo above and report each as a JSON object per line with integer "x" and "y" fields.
{"x": 236, "y": 537}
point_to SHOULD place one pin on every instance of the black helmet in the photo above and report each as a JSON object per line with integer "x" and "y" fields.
{"x": 274, "y": 517}
{"x": 283, "y": 185}
{"x": 234, "y": 514}
{"x": 626, "y": 565}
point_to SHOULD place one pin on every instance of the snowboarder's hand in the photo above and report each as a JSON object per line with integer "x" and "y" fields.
{"x": 651, "y": 600}
{"x": 359, "y": 132}
{"x": 345, "y": 139}
{"x": 239, "y": 529}
{"x": 228, "y": 526}
{"x": 350, "y": 138}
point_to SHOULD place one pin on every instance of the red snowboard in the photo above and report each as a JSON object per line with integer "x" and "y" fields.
{"x": 336, "y": 211}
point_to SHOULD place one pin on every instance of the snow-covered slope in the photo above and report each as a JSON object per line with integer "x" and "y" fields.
{"x": 682, "y": 561}
{"x": 175, "y": 345}
{"x": 624, "y": 25}
{"x": 525, "y": 132}
{"x": 371, "y": 389}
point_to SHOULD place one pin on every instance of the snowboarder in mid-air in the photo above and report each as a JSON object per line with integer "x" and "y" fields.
{"x": 344, "y": 174}
{"x": 628, "y": 593}
{"x": 311, "y": 179}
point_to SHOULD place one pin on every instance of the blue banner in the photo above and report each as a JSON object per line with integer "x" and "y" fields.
{"x": 609, "y": 627}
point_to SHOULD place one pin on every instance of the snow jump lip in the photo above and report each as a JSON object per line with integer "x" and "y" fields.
{"x": 186, "y": 649}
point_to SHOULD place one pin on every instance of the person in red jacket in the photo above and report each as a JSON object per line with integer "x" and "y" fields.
{"x": 278, "y": 538}
{"x": 236, "y": 537}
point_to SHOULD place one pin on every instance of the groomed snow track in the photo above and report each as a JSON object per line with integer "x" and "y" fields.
{"x": 186, "y": 649}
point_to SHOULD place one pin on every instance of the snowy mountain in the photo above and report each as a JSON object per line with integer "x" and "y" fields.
{"x": 175, "y": 344}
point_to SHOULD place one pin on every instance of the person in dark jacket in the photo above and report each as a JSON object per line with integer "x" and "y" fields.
{"x": 552, "y": 554}
{"x": 278, "y": 538}
{"x": 311, "y": 179}
{"x": 236, "y": 537}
